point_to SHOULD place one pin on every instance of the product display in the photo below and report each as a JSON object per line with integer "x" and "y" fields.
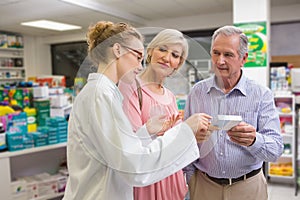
{"x": 11, "y": 59}
{"x": 285, "y": 165}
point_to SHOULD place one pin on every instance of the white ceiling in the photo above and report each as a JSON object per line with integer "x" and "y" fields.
{"x": 139, "y": 12}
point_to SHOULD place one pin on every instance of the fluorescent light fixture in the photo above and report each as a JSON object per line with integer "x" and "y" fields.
{"x": 46, "y": 24}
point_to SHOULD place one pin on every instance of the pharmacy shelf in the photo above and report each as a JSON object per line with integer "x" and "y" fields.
{"x": 285, "y": 103}
{"x": 32, "y": 150}
{"x": 11, "y": 49}
{"x": 28, "y": 162}
{"x": 10, "y": 72}
{"x": 282, "y": 177}
{"x": 12, "y": 68}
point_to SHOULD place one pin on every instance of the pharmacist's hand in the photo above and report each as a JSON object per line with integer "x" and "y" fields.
{"x": 200, "y": 123}
{"x": 158, "y": 125}
{"x": 243, "y": 134}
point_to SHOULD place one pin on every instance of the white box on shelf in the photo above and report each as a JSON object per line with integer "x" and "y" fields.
{"x": 47, "y": 184}
{"x": 58, "y": 101}
{"x": 18, "y": 190}
{"x": 295, "y": 84}
{"x": 31, "y": 187}
{"x": 41, "y": 92}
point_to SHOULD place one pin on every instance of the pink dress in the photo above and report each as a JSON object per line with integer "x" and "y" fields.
{"x": 172, "y": 187}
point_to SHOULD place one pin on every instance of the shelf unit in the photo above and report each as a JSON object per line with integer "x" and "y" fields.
{"x": 297, "y": 129}
{"x": 284, "y": 170}
{"x": 38, "y": 160}
{"x": 12, "y": 65}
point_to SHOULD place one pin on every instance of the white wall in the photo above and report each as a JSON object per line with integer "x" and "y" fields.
{"x": 38, "y": 52}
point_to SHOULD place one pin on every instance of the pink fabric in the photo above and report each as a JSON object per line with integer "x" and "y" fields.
{"x": 173, "y": 187}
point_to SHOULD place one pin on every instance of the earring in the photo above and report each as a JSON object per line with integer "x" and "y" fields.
{"x": 148, "y": 60}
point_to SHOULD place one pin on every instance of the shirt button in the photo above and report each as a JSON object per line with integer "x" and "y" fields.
{"x": 221, "y": 154}
{"x": 223, "y": 172}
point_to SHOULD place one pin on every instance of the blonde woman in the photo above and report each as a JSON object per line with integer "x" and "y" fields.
{"x": 147, "y": 97}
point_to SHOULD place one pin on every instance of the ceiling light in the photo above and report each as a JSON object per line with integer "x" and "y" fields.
{"x": 46, "y": 24}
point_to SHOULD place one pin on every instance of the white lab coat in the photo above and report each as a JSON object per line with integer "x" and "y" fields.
{"x": 106, "y": 158}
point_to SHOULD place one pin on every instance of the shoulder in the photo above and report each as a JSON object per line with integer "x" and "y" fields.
{"x": 257, "y": 89}
{"x": 202, "y": 86}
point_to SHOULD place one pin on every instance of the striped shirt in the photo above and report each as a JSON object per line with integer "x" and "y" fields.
{"x": 219, "y": 156}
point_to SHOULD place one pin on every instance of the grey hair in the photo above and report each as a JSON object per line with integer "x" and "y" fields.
{"x": 169, "y": 36}
{"x": 230, "y": 31}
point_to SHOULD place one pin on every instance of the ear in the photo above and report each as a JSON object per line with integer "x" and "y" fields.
{"x": 245, "y": 58}
{"x": 149, "y": 52}
{"x": 117, "y": 50}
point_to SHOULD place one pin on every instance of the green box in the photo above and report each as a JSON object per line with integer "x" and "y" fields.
{"x": 42, "y": 107}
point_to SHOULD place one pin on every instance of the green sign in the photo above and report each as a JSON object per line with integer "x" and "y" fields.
{"x": 257, "y": 46}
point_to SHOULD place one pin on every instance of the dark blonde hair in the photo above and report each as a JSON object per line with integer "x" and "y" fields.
{"x": 169, "y": 37}
{"x": 105, "y": 34}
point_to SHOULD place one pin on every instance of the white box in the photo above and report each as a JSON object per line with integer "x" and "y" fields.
{"x": 18, "y": 190}
{"x": 57, "y": 112}
{"x": 58, "y": 101}
{"x": 47, "y": 184}
{"x": 41, "y": 92}
{"x": 22, "y": 196}
{"x": 295, "y": 77}
{"x": 31, "y": 187}
{"x": 226, "y": 122}
{"x": 61, "y": 182}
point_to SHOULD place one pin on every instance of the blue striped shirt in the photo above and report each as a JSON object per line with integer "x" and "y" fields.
{"x": 219, "y": 156}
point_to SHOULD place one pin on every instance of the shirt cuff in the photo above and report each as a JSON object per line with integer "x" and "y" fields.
{"x": 259, "y": 141}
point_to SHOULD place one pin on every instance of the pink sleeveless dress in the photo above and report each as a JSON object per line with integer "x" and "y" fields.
{"x": 172, "y": 187}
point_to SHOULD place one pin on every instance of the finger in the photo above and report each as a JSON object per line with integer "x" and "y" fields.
{"x": 177, "y": 118}
{"x": 206, "y": 116}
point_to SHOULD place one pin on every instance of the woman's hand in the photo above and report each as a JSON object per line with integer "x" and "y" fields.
{"x": 158, "y": 125}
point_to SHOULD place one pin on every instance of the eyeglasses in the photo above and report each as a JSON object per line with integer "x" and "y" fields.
{"x": 140, "y": 55}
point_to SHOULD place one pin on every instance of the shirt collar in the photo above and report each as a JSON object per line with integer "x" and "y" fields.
{"x": 240, "y": 86}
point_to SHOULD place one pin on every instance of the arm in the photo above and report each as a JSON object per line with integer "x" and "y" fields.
{"x": 268, "y": 144}
{"x": 116, "y": 145}
{"x": 265, "y": 141}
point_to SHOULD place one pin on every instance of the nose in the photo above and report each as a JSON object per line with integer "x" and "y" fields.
{"x": 166, "y": 56}
{"x": 221, "y": 60}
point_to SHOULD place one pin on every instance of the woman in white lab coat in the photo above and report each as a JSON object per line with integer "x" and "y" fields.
{"x": 105, "y": 157}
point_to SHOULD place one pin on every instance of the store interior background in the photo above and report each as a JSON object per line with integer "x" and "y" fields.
{"x": 195, "y": 18}
{"x": 184, "y": 15}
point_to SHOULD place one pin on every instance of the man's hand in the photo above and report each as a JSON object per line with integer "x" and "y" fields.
{"x": 243, "y": 134}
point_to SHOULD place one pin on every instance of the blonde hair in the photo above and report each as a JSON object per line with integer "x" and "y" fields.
{"x": 105, "y": 34}
{"x": 169, "y": 36}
